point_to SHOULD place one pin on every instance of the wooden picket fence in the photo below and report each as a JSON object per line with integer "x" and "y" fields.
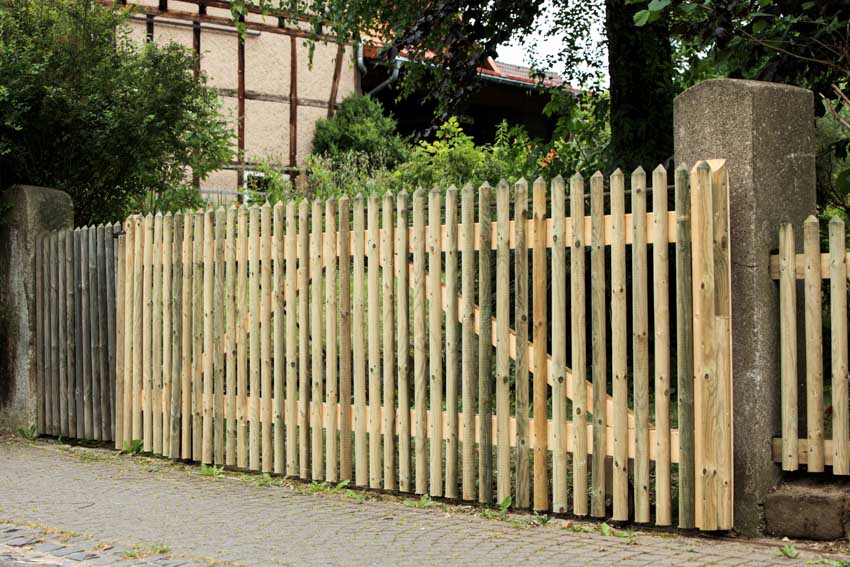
{"x": 75, "y": 322}
{"x": 814, "y": 450}
{"x": 426, "y": 345}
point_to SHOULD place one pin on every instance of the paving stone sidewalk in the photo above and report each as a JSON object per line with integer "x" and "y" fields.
{"x": 22, "y": 545}
{"x": 131, "y": 511}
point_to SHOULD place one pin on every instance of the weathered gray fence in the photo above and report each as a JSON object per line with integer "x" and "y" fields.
{"x": 75, "y": 306}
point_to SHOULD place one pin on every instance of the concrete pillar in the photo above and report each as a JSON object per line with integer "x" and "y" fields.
{"x": 765, "y": 132}
{"x": 28, "y": 213}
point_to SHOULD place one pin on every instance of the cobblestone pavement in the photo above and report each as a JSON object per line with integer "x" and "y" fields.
{"x": 63, "y": 505}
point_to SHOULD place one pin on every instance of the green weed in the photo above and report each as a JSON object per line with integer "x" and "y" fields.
{"x": 358, "y": 497}
{"x": 92, "y": 457}
{"x": 504, "y": 506}
{"x": 423, "y": 502}
{"x": 29, "y": 433}
{"x": 789, "y": 551}
{"x": 325, "y": 488}
{"x": 211, "y": 471}
{"x": 580, "y": 528}
{"x": 141, "y": 551}
{"x": 133, "y": 447}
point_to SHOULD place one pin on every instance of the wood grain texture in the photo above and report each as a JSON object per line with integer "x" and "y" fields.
{"x": 388, "y": 340}
{"x": 78, "y": 339}
{"x": 523, "y": 446}
{"x": 403, "y": 338}
{"x": 177, "y": 337}
{"x": 242, "y": 346}
{"x": 503, "y": 361}
{"x": 291, "y": 341}
{"x": 838, "y": 316}
{"x": 255, "y": 356}
{"x": 88, "y": 358}
{"x": 723, "y": 405}
{"x": 265, "y": 392}
{"x": 120, "y": 318}
{"x": 539, "y": 330}
{"x": 303, "y": 340}
{"x": 167, "y": 304}
{"x": 345, "y": 384}
{"x": 97, "y": 302}
{"x": 435, "y": 343}
{"x": 186, "y": 343}
{"x": 279, "y": 338}
{"x": 451, "y": 346}
{"x": 62, "y": 331}
{"x": 618, "y": 347}
{"x": 209, "y": 337}
{"x": 559, "y": 346}
{"x": 599, "y": 333}
{"x": 640, "y": 346}
{"x": 197, "y": 334}
{"x": 578, "y": 331}
{"x": 111, "y": 233}
{"x": 814, "y": 345}
{"x": 53, "y": 306}
{"x": 788, "y": 347}
{"x": 705, "y": 353}
{"x": 331, "y": 346}
{"x": 373, "y": 319}
{"x": 468, "y": 344}
{"x": 419, "y": 354}
{"x": 103, "y": 395}
{"x": 485, "y": 342}
{"x": 359, "y": 348}
{"x": 231, "y": 332}
{"x": 155, "y": 395}
{"x": 41, "y": 342}
{"x": 147, "y": 332}
{"x": 661, "y": 328}
{"x": 685, "y": 349}
{"x": 316, "y": 338}
{"x": 219, "y": 332}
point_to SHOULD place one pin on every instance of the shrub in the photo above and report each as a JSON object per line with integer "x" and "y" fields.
{"x": 351, "y": 174}
{"x": 85, "y": 109}
{"x": 453, "y": 158}
{"x": 360, "y": 126}
{"x": 174, "y": 199}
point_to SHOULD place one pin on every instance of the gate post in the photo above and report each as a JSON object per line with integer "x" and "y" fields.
{"x": 765, "y": 132}
{"x": 27, "y": 214}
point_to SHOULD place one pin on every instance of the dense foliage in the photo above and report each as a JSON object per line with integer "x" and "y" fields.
{"x": 804, "y": 43}
{"x": 360, "y": 126}
{"x": 85, "y": 109}
{"x": 452, "y": 157}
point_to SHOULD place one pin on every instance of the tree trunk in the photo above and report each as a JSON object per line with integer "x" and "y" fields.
{"x": 640, "y": 67}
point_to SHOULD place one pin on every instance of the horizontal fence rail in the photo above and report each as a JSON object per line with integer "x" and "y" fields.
{"x": 517, "y": 344}
{"x": 76, "y": 332}
{"x": 820, "y": 446}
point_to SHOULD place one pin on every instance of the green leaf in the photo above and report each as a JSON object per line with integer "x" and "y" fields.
{"x": 759, "y": 26}
{"x": 764, "y": 2}
{"x": 642, "y": 18}
{"x": 807, "y": 5}
{"x": 658, "y": 5}
{"x": 842, "y": 181}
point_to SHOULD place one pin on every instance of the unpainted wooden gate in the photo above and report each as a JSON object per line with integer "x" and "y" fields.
{"x": 447, "y": 351}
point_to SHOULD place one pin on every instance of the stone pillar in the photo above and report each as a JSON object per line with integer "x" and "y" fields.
{"x": 27, "y": 213}
{"x": 765, "y": 132}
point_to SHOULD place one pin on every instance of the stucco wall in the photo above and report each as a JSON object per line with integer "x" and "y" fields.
{"x": 267, "y": 81}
